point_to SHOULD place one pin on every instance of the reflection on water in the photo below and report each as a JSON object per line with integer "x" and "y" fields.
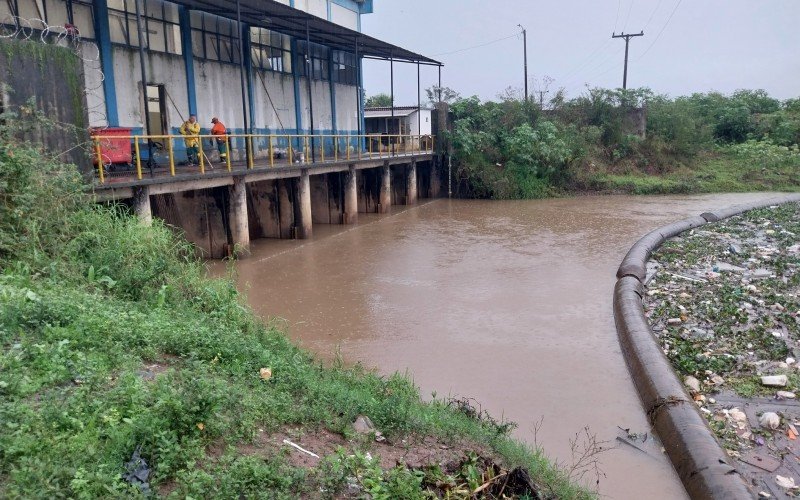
{"x": 506, "y": 302}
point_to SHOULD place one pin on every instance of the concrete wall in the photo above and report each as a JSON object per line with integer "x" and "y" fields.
{"x": 270, "y": 209}
{"x": 346, "y": 108}
{"x": 321, "y": 93}
{"x": 281, "y": 91}
{"x": 327, "y": 198}
{"x": 219, "y": 93}
{"x": 53, "y": 77}
{"x": 369, "y": 186}
{"x": 166, "y": 69}
{"x": 201, "y": 215}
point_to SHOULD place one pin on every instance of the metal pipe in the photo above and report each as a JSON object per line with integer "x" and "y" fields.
{"x": 144, "y": 89}
{"x": 358, "y": 94}
{"x": 419, "y": 107}
{"x": 309, "y": 69}
{"x": 391, "y": 72}
{"x": 440, "y": 84}
{"x": 241, "y": 79}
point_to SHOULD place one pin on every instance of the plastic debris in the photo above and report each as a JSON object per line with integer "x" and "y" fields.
{"x": 786, "y": 482}
{"x": 137, "y": 472}
{"x": 769, "y": 420}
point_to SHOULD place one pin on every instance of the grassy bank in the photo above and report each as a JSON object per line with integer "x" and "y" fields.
{"x": 115, "y": 346}
{"x": 722, "y": 170}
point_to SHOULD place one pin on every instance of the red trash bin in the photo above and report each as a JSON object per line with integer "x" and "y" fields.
{"x": 115, "y": 145}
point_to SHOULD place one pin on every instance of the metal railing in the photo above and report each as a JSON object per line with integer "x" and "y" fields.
{"x": 127, "y": 156}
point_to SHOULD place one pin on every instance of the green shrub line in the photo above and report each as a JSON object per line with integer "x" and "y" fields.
{"x": 705, "y": 142}
{"x": 114, "y": 339}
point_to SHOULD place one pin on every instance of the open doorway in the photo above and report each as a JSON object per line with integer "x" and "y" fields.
{"x": 157, "y": 109}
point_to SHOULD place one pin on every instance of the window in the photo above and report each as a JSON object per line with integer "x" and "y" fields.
{"x": 41, "y": 14}
{"x": 345, "y": 68}
{"x": 160, "y": 25}
{"x": 270, "y": 50}
{"x": 214, "y": 38}
{"x": 318, "y": 61}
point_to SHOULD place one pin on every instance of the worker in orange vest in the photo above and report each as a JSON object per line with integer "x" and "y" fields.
{"x": 220, "y": 134}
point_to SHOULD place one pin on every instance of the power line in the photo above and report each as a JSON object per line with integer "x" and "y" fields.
{"x": 476, "y": 46}
{"x": 625, "y": 24}
{"x": 658, "y": 6}
{"x": 616, "y": 19}
{"x": 662, "y": 30}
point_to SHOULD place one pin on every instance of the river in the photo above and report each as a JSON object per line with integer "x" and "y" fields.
{"x": 507, "y": 302}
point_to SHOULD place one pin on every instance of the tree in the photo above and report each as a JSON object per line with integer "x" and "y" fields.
{"x": 379, "y": 101}
{"x": 442, "y": 94}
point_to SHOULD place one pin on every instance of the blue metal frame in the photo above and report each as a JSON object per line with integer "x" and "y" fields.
{"x": 103, "y": 36}
{"x": 248, "y": 66}
{"x": 188, "y": 57}
{"x": 332, "y": 91}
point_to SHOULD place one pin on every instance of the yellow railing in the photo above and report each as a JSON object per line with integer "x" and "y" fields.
{"x": 251, "y": 150}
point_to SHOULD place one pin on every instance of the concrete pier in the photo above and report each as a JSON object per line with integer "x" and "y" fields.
{"x": 240, "y": 228}
{"x": 141, "y": 205}
{"x": 220, "y": 211}
{"x": 303, "y": 201}
{"x": 411, "y": 184}
{"x": 350, "y": 215}
{"x": 386, "y": 189}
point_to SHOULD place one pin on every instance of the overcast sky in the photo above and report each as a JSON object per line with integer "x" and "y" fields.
{"x": 689, "y": 45}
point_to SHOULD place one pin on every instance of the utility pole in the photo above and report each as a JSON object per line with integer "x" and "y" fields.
{"x": 525, "y": 45}
{"x": 627, "y": 41}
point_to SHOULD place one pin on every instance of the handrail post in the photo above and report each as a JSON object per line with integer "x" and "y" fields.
{"x": 250, "y": 159}
{"x": 228, "y": 152}
{"x": 100, "y": 166}
{"x": 171, "y": 156}
{"x": 290, "y": 148}
{"x": 305, "y": 149}
{"x": 369, "y": 141}
{"x": 202, "y": 155}
{"x": 138, "y": 158}
{"x": 348, "y": 147}
{"x": 322, "y": 148}
{"x": 271, "y": 154}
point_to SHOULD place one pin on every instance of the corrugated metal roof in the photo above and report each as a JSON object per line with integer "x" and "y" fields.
{"x": 276, "y": 16}
{"x": 387, "y": 113}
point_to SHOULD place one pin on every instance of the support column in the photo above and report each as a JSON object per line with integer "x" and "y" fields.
{"x": 240, "y": 228}
{"x": 411, "y": 184}
{"x": 304, "y": 221}
{"x": 141, "y": 205}
{"x": 385, "y": 198}
{"x": 351, "y": 196}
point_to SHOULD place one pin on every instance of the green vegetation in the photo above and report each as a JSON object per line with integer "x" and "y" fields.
{"x": 114, "y": 341}
{"x": 701, "y": 143}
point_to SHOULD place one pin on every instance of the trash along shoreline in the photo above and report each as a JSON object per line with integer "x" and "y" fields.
{"x": 706, "y": 469}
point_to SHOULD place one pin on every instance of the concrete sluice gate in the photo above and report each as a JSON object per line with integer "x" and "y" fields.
{"x": 220, "y": 220}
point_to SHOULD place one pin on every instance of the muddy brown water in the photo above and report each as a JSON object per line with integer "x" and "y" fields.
{"x": 505, "y": 302}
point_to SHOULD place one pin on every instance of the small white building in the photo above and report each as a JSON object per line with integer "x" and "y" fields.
{"x": 402, "y": 122}
{"x": 405, "y": 120}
